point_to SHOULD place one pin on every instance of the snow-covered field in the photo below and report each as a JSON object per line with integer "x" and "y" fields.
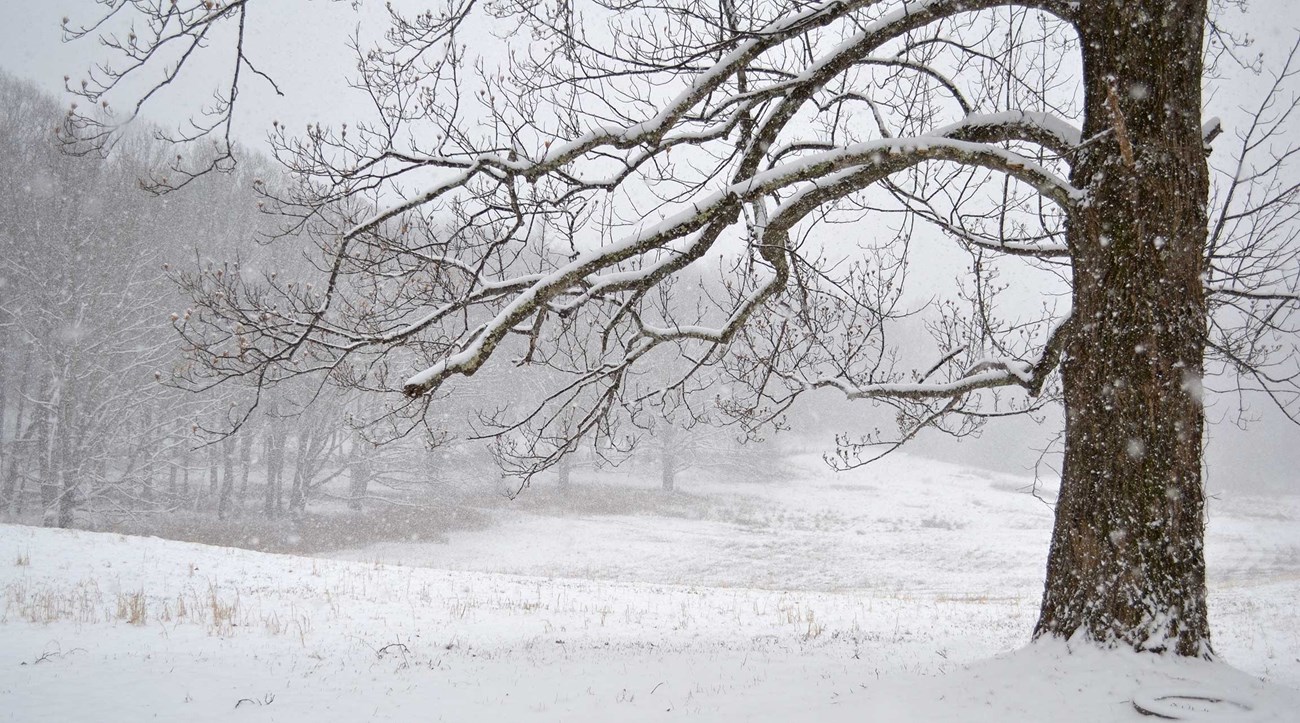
{"x": 880, "y": 594}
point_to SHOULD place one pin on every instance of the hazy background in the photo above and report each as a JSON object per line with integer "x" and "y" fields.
{"x": 302, "y": 44}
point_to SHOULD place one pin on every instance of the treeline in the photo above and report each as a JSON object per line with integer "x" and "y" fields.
{"x": 95, "y": 427}
{"x": 91, "y": 424}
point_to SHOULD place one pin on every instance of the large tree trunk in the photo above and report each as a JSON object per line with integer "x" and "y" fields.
{"x": 1127, "y": 565}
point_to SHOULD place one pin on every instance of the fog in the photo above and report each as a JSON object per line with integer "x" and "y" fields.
{"x": 94, "y": 270}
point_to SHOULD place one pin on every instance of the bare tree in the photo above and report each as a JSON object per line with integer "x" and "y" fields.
{"x": 84, "y": 304}
{"x": 804, "y": 143}
{"x": 84, "y": 298}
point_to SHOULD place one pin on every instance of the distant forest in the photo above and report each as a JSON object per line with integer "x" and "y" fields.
{"x": 95, "y": 428}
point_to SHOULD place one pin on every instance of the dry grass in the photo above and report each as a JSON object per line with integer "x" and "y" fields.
{"x": 223, "y": 613}
{"x": 291, "y": 623}
{"x": 133, "y": 608}
{"x": 82, "y": 604}
{"x": 24, "y": 559}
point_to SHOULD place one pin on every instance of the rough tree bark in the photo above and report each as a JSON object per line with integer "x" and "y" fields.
{"x": 1126, "y": 564}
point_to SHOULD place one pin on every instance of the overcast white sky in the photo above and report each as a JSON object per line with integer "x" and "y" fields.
{"x": 302, "y": 44}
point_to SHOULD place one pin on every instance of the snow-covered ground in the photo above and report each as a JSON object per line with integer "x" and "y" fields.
{"x": 881, "y": 594}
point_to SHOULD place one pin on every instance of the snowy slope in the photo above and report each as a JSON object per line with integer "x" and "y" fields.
{"x": 806, "y": 601}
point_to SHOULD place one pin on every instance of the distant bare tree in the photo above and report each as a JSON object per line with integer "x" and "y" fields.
{"x": 85, "y": 294}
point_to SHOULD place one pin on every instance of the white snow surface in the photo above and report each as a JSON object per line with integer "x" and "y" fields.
{"x": 905, "y": 591}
